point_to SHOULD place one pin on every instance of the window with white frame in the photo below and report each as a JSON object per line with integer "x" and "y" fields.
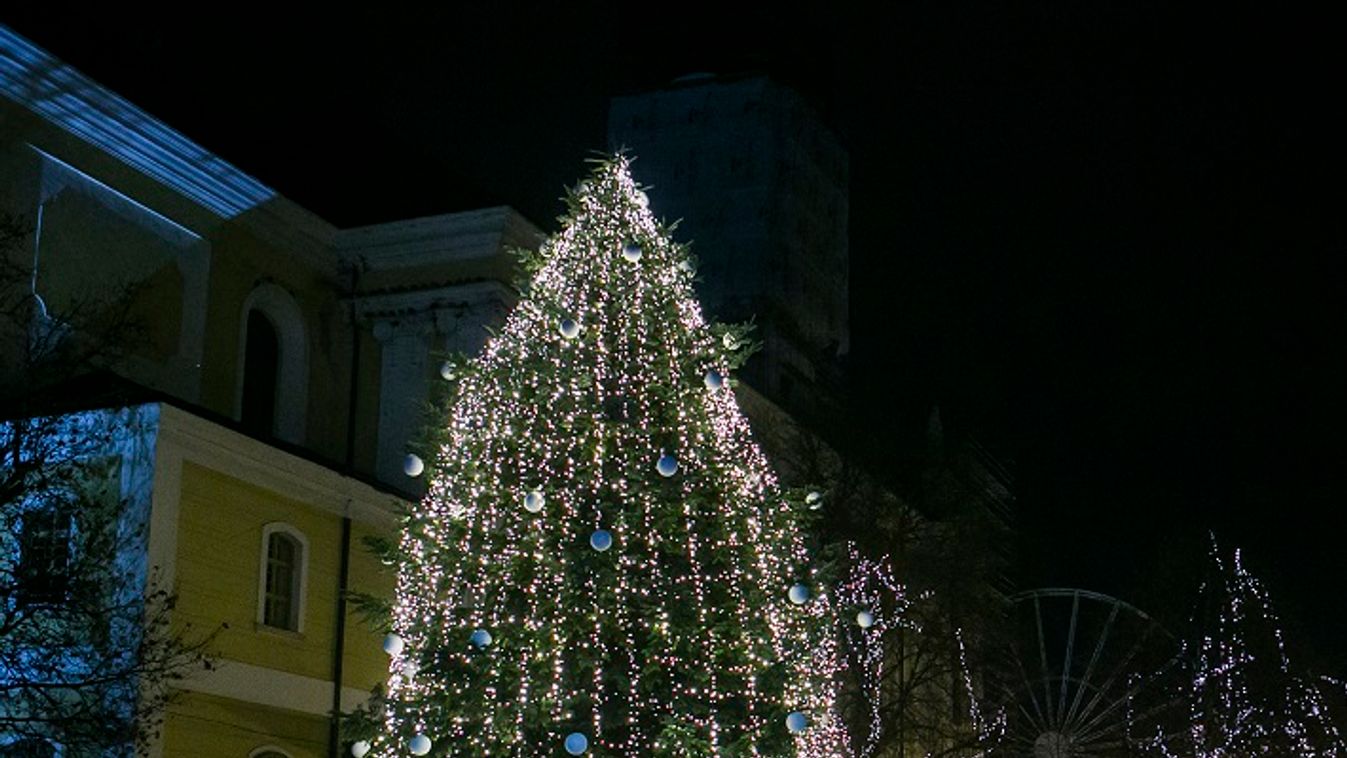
{"x": 283, "y": 578}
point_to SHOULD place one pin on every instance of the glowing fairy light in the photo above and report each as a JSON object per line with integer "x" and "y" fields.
{"x": 600, "y": 507}
{"x": 1243, "y": 698}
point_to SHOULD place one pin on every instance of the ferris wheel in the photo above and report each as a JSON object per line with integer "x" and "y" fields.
{"x": 1088, "y": 675}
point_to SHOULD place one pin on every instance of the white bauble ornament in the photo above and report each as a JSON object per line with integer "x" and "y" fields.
{"x": 865, "y": 619}
{"x": 729, "y": 341}
{"x": 480, "y": 639}
{"x": 685, "y": 266}
{"x": 799, "y": 594}
{"x": 632, "y": 252}
{"x": 412, "y": 465}
{"x": 601, "y": 540}
{"x": 796, "y": 722}
{"x": 393, "y": 645}
{"x": 447, "y": 371}
{"x": 667, "y": 465}
{"x": 419, "y": 745}
{"x": 714, "y": 380}
{"x": 534, "y": 501}
{"x": 642, "y": 199}
{"x": 360, "y": 748}
{"x": 569, "y": 328}
{"x": 814, "y": 500}
{"x": 410, "y": 669}
{"x": 576, "y": 743}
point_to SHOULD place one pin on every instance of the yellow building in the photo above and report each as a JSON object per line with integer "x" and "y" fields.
{"x": 288, "y": 361}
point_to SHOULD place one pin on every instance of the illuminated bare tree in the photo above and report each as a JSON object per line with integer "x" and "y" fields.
{"x": 1243, "y": 697}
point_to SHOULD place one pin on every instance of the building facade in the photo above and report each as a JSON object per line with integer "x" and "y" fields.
{"x": 772, "y": 237}
{"x": 287, "y": 364}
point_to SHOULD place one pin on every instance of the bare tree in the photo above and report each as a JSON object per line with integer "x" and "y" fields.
{"x": 87, "y": 654}
{"x": 929, "y": 566}
{"x": 1243, "y": 696}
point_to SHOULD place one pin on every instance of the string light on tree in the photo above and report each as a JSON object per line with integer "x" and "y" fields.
{"x": 618, "y": 608}
{"x": 1244, "y": 699}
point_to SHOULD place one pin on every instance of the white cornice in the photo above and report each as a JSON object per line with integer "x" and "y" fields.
{"x": 229, "y": 452}
{"x": 451, "y": 237}
{"x": 428, "y": 301}
{"x": 272, "y": 688}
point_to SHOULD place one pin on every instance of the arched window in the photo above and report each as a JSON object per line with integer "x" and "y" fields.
{"x": 283, "y": 578}
{"x": 273, "y": 364}
{"x": 261, "y": 359}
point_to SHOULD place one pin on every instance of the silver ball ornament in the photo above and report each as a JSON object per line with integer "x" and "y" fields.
{"x": 814, "y": 500}
{"x": 865, "y": 619}
{"x": 714, "y": 380}
{"x": 796, "y": 722}
{"x": 480, "y": 639}
{"x": 419, "y": 745}
{"x": 601, "y": 540}
{"x": 799, "y": 594}
{"x": 667, "y": 465}
{"x": 412, "y": 465}
{"x": 534, "y": 501}
{"x": 360, "y": 748}
{"x": 632, "y": 252}
{"x": 569, "y": 328}
{"x": 576, "y": 743}
{"x": 393, "y": 645}
{"x": 447, "y": 371}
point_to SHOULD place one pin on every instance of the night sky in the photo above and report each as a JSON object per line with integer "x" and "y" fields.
{"x": 1097, "y": 234}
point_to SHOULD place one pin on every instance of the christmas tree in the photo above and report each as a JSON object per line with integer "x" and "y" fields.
{"x": 604, "y": 563}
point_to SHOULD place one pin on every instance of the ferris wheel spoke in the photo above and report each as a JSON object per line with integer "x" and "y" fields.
{"x": 1113, "y": 675}
{"x": 1126, "y": 697}
{"x": 1066, "y": 659}
{"x": 1043, "y": 663}
{"x": 1094, "y": 661}
{"x": 1041, "y": 719}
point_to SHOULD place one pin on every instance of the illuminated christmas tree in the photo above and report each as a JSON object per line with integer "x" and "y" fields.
{"x": 604, "y": 563}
